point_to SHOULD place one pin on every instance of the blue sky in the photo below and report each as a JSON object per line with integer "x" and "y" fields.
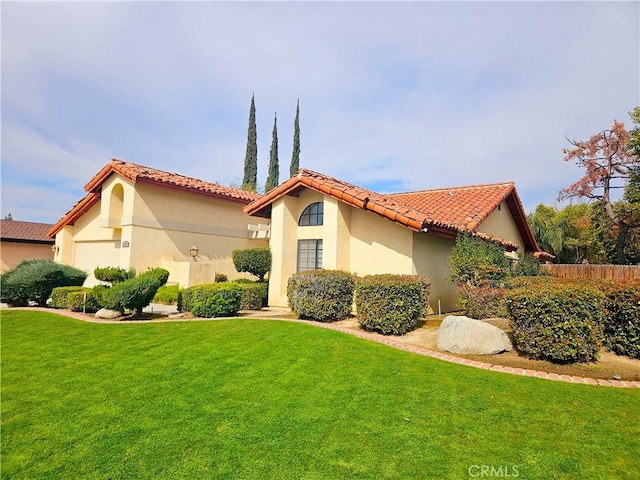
{"x": 393, "y": 96}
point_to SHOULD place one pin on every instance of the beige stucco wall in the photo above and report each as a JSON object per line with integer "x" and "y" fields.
{"x": 353, "y": 240}
{"x": 431, "y": 260}
{"x": 12, "y": 253}
{"x": 379, "y": 245}
{"x": 364, "y": 244}
{"x": 142, "y": 226}
{"x": 500, "y": 224}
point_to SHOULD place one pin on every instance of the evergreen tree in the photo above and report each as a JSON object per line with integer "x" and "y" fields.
{"x": 274, "y": 173}
{"x": 295, "y": 156}
{"x": 250, "y": 179}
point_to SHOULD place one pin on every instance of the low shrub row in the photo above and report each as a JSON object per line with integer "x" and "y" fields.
{"x": 563, "y": 320}
{"x": 254, "y": 294}
{"x": 389, "y": 304}
{"x": 222, "y": 299}
{"x": 59, "y": 296}
{"x": 77, "y": 299}
{"x": 83, "y": 301}
{"x": 167, "y": 294}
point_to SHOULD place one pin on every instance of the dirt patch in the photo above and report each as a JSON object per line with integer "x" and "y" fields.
{"x": 606, "y": 368}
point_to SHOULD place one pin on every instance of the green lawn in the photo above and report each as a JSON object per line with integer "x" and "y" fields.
{"x": 251, "y": 399}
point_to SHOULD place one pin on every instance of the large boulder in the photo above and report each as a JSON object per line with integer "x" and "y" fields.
{"x": 105, "y": 313}
{"x": 460, "y": 334}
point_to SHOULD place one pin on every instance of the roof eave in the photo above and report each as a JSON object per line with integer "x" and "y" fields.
{"x": 76, "y": 212}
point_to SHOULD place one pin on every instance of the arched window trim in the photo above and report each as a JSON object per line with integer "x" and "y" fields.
{"x": 312, "y": 216}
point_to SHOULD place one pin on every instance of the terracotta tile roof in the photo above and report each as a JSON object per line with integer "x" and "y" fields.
{"x": 27, "y": 232}
{"x": 457, "y": 207}
{"x": 444, "y": 212}
{"x": 141, "y": 174}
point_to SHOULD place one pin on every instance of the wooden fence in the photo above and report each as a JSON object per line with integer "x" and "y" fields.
{"x": 610, "y": 272}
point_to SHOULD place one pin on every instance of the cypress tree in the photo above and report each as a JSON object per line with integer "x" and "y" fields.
{"x": 250, "y": 178}
{"x": 274, "y": 173}
{"x": 295, "y": 156}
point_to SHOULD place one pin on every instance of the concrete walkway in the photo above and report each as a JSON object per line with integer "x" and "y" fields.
{"x": 275, "y": 313}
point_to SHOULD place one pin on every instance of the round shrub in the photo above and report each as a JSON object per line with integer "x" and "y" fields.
{"x": 622, "y": 324}
{"x": 77, "y": 302}
{"x": 59, "y": 296}
{"x": 256, "y": 261}
{"x": 35, "y": 279}
{"x": 557, "y": 322}
{"x": 213, "y": 299}
{"x": 391, "y": 304}
{"x": 322, "y": 295}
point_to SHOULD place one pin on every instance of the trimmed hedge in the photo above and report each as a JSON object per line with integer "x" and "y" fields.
{"x": 557, "y": 322}
{"x": 622, "y": 324}
{"x": 322, "y": 295}
{"x": 391, "y": 304}
{"x": 59, "y": 296}
{"x": 76, "y": 301}
{"x": 253, "y": 295}
{"x": 167, "y": 294}
{"x": 213, "y": 299}
{"x": 35, "y": 279}
{"x": 484, "y": 302}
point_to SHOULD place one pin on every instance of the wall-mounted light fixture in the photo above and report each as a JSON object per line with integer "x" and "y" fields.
{"x": 194, "y": 250}
{"x": 55, "y": 249}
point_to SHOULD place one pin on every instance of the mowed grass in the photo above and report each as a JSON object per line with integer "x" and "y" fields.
{"x": 253, "y": 399}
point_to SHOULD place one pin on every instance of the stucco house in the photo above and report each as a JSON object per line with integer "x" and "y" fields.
{"x": 321, "y": 222}
{"x": 139, "y": 217}
{"x": 23, "y": 241}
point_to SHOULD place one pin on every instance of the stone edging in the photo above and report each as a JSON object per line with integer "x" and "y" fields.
{"x": 400, "y": 346}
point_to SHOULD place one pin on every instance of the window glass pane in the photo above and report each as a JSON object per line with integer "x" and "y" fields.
{"x": 312, "y": 215}
{"x": 309, "y": 255}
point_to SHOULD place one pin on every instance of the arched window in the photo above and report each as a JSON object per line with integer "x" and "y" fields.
{"x": 312, "y": 215}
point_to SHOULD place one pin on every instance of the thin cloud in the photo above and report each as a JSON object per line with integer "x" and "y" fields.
{"x": 403, "y": 95}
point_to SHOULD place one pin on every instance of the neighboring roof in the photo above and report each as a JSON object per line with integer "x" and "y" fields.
{"x": 151, "y": 176}
{"x": 444, "y": 212}
{"x": 24, "y": 232}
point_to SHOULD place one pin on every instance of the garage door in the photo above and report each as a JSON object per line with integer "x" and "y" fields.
{"x": 90, "y": 255}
